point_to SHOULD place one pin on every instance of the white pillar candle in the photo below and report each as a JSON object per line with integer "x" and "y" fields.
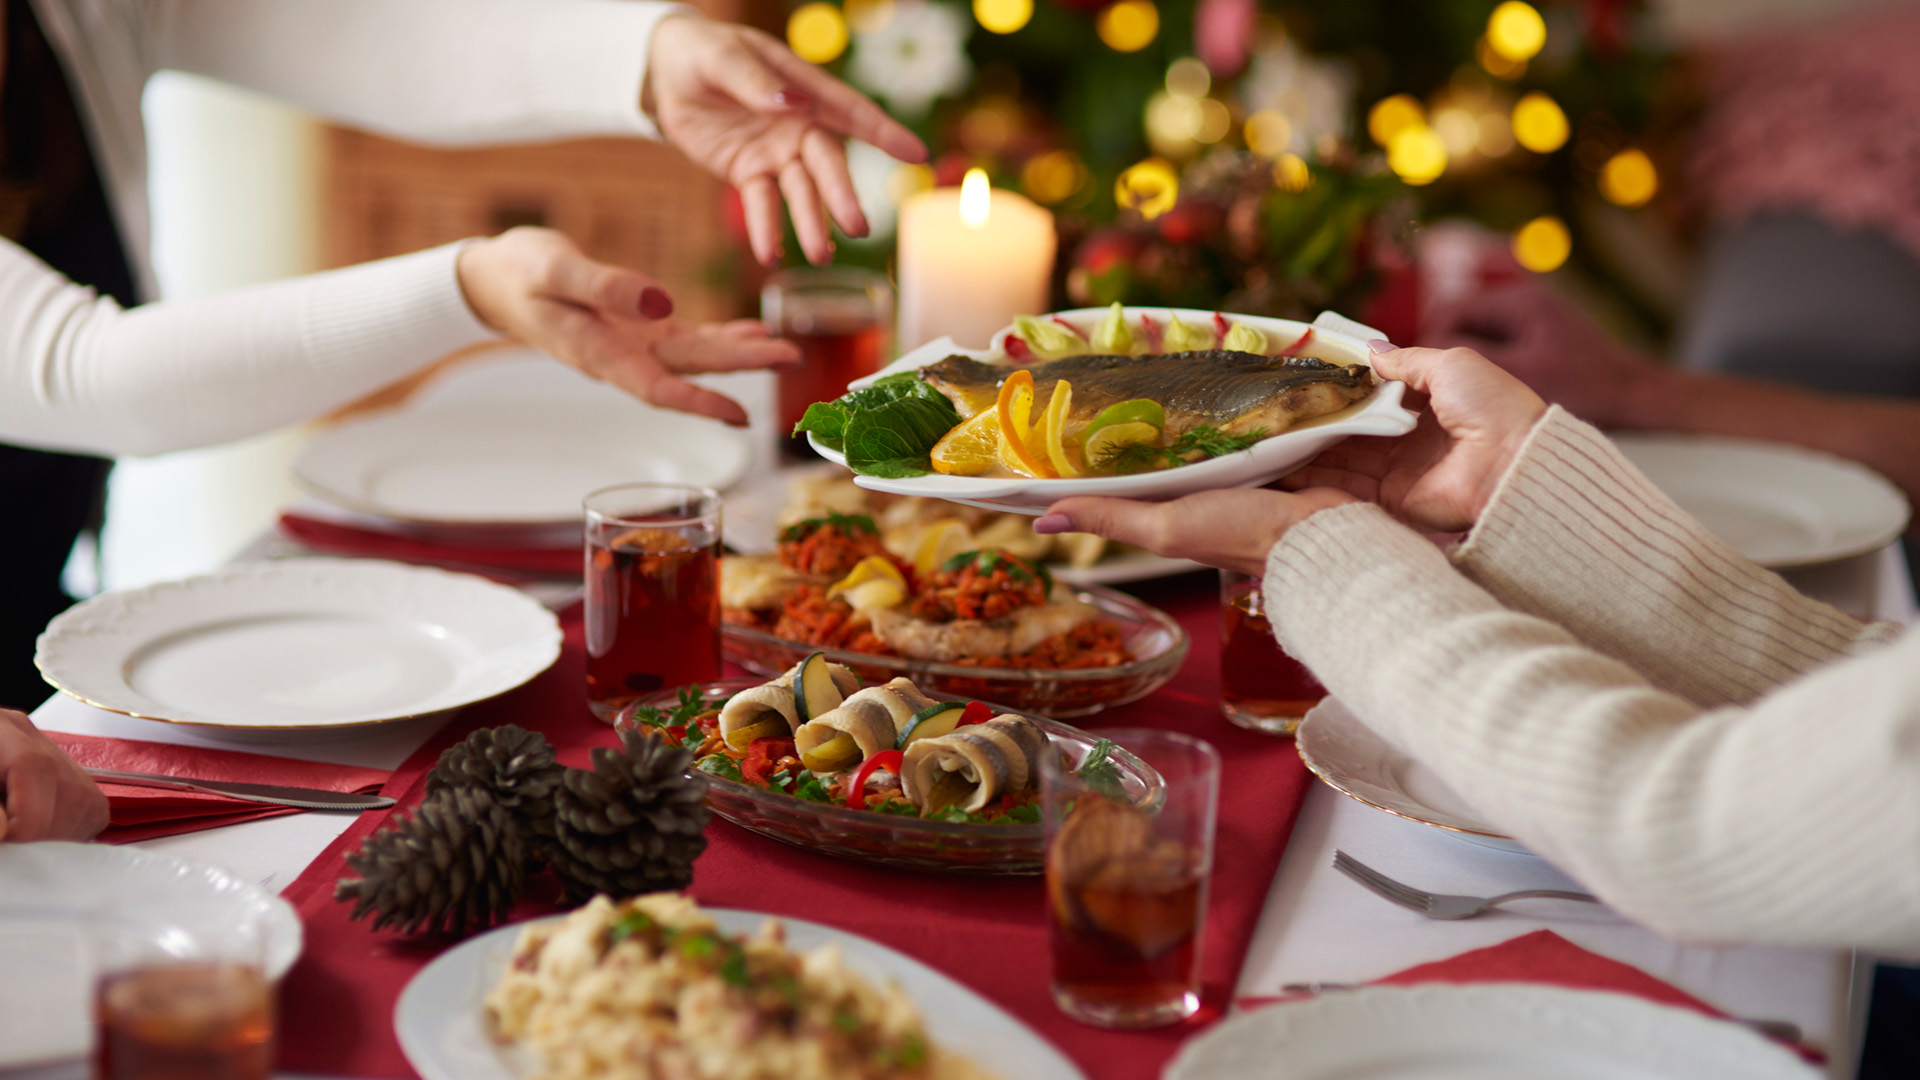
{"x": 971, "y": 258}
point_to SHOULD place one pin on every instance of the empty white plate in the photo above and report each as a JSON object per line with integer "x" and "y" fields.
{"x": 299, "y": 644}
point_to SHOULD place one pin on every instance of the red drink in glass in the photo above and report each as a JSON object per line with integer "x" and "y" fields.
{"x": 1261, "y": 687}
{"x": 210, "y": 1020}
{"x": 653, "y": 591}
{"x": 1125, "y": 942}
{"x": 841, "y": 318}
{"x": 833, "y": 353}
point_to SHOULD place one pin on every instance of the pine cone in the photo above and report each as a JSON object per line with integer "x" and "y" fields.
{"x": 457, "y": 863}
{"x": 510, "y": 763}
{"x": 632, "y": 825}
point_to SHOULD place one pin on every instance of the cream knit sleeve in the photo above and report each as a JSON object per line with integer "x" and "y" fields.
{"x": 1793, "y": 820}
{"x": 1575, "y": 534}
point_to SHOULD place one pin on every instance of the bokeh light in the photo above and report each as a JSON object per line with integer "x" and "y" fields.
{"x": 1496, "y": 65}
{"x": 817, "y": 33}
{"x": 1053, "y": 177}
{"x": 1496, "y": 134}
{"x": 1629, "y": 178}
{"x": 1538, "y": 123}
{"x": 1173, "y": 124}
{"x": 1417, "y": 155}
{"x": 1150, "y": 187}
{"x": 1516, "y": 31}
{"x": 1216, "y": 120}
{"x": 1129, "y": 25}
{"x": 1268, "y": 133}
{"x": 1189, "y": 77}
{"x": 906, "y": 181}
{"x": 867, "y": 16}
{"x": 1003, "y": 16}
{"x": 1542, "y": 244}
{"x": 1459, "y": 130}
{"x": 1390, "y": 116}
{"x": 1290, "y": 173}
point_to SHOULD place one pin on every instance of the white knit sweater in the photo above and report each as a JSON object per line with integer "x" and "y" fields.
{"x": 1713, "y": 753}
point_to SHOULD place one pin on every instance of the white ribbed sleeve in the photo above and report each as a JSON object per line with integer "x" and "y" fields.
{"x": 77, "y": 372}
{"x": 1791, "y": 817}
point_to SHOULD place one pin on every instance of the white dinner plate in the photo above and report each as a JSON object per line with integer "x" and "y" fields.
{"x": 1355, "y": 761}
{"x": 1779, "y": 505}
{"x": 50, "y": 893}
{"x": 1335, "y": 338}
{"x": 442, "y": 1028}
{"x": 1493, "y": 1031}
{"x": 297, "y": 644}
{"x": 522, "y": 460}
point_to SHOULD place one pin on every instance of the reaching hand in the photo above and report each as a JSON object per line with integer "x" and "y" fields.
{"x": 43, "y": 794}
{"x": 1529, "y": 328}
{"x": 535, "y": 286}
{"x": 1232, "y": 529}
{"x": 748, "y": 110}
{"x": 1439, "y": 477}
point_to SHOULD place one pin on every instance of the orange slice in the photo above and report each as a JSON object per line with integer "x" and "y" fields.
{"x": 971, "y": 447}
{"x": 1016, "y": 432}
{"x": 1056, "y": 430}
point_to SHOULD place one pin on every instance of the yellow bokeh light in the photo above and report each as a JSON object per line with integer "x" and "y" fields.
{"x": 1417, "y": 155}
{"x": 1216, "y": 120}
{"x": 817, "y": 33}
{"x": 906, "y": 181}
{"x": 1516, "y": 31}
{"x": 1459, "y": 130}
{"x": 1151, "y": 187}
{"x": 1173, "y": 124}
{"x": 1053, "y": 177}
{"x": 1391, "y": 116}
{"x": 1003, "y": 16}
{"x": 1129, "y": 25}
{"x": 1496, "y": 134}
{"x": 1189, "y": 77}
{"x": 1268, "y": 133}
{"x": 868, "y": 16}
{"x": 1290, "y": 173}
{"x": 1542, "y": 244}
{"x": 1496, "y": 65}
{"x": 1538, "y": 123}
{"x": 1629, "y": 178}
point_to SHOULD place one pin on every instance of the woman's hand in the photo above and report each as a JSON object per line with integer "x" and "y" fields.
{"x": 611, "y": 323}
{"x": 43, "y": 794}
{"x": 748, "y": 110}
{"x": 1439, "y": 477}
{"x": 1232, "y": 529}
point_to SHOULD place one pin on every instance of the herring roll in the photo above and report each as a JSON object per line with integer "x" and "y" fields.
{"x": 864, "y": 725}
{"x": 771, "y": 708}
{"x": 974, "y": 766}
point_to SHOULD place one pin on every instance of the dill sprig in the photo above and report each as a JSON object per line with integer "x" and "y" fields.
{"x": 1206, "y": 440}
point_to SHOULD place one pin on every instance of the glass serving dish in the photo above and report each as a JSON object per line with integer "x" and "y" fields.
{"x": 951, "y": 847}
{"x": 1157, "y": 643}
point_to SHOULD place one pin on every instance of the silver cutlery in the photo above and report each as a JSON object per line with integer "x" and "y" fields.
{"x": 1441, "y": 905}
{"x": 276, "y": 794}
{"x": 1785, "y": 1030}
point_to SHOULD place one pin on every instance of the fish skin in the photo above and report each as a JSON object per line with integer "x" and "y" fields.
{"x": 1236, "y": 392}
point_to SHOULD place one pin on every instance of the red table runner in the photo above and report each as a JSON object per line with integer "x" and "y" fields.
{"x": 337, "y": 1002}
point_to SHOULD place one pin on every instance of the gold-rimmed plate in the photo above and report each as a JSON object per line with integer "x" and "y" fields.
{"x": 299, "y": 645}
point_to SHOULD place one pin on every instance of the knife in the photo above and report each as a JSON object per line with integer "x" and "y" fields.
{"x": 305, "y": 798}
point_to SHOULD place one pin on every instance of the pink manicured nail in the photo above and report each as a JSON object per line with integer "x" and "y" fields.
{"x": 1381, "y": 345}
{"x": 793, "y": 99}
{"x": 655, "y": 303}
{"x": 1052, "y": 523}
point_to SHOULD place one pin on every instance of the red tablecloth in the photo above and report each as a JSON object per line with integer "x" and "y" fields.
{"x": 990, "y": 934}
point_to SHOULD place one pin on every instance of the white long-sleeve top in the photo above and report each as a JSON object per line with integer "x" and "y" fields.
{"x": 1713, "y": 753}
{"x": 80, "y": 373}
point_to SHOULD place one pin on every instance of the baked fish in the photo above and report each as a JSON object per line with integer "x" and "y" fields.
{"x": 1236, "y": 392}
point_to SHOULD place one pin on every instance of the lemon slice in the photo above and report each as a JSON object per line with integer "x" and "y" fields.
{"x": 942, "y": 541}
{"x": 971, "y": 448}
{"x": 874, "y": 582}
{"x": 1055, "y": 424}
{"x": 1016, "y": 429}
{"x": 1103, "y": 444}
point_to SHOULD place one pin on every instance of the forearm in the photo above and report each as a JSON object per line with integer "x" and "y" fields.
{"x": 1701, "y": 824}
{"x": 78, "y": 373}
{"x": 431, "y": 71}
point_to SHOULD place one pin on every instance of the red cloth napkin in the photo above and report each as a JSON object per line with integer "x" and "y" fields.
{"x": 335, "y": 538}
{"x": 1545, "y": 957}
{"x": 143, "y": 813}
{"x": 989, "y": 934}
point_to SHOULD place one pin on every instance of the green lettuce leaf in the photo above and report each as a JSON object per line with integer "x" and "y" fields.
{"x": 893, "y": 440}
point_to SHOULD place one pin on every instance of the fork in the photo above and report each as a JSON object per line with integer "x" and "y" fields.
{"x": 1440, "y": 905}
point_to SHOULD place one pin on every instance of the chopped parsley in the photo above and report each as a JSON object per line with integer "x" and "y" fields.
{"x": 1206, "y": 440}
{"x": 1100, "y": 773}
{"x": 987, "y": 560}
{"x": 850, "y": 524}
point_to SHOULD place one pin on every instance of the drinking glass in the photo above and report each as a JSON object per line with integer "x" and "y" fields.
{"x": 1261, "y": 687}
{"x": 841, "y": 317}
{"x": 653, "y": 591}
{"x": 173, "y": 997}
{"x": 1127, "y": 883}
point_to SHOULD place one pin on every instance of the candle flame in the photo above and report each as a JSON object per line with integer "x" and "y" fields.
{"x": 975, "y": 198}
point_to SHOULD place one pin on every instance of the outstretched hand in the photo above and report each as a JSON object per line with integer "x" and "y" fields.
{"x": 609, "y": 322}
{"x": 748, "y": 110}
{"x": 1232, "y": 529}
{"x": 43, "y": 794}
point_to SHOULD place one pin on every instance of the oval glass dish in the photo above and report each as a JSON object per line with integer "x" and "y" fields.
{"x": 1158, "y": 645}
{"x": 950, "y": 847}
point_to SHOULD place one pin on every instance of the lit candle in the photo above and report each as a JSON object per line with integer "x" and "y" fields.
{"x": 970, "y": 260}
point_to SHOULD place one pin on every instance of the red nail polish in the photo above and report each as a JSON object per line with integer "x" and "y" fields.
{"x": 793, "y": 99}
{"x": 655, "y": 303}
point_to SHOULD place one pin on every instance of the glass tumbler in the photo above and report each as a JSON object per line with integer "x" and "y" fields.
{"x": 652, "y": 591}
{"x": 174, "y": 997}
{"x": 1127, "y": 881}
{"x": 1261, "y": 687}
{"x": 842, "y": 319}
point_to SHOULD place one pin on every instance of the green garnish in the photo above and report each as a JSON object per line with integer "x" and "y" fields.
{"x": 851, "y": 524}
{"x": 846, "y": 1021}
{"x": 885, "y": 429}
{"x": 697, "y": 946}
{"x": 808, "y": 786}
{"x": 1099, "y": 772}
{"x": 1206, "y": 440}
{"x": 630, "y": 924}
{"x": 722, "y": 766}
{"x": 987, "y": 560}
{"x": 734, "y": 967}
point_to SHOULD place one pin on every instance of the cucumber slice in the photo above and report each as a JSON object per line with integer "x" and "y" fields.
{"x": 931, "y": 722}
{"x": 834, "y": 755}
{"x": 772, "y": 726}
{"x": 814, "y": 692}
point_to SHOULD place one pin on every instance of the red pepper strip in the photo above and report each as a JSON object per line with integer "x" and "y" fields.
{"x": 762, "y": 753}
{"x": 1220, "y": 326}
{"x": 1017, "y": 349}
{"x": 978, "y": 712}
{"x": 679, "y": 732}
{"x": 1298, "y": 343}
{"x": 889, "y": 760}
